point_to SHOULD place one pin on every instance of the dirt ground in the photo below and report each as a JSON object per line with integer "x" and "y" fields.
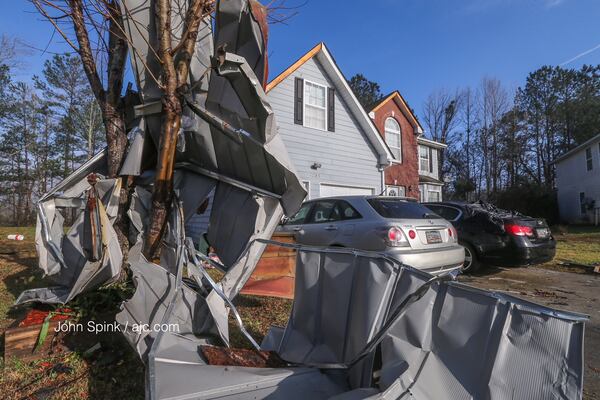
{"x": 557, "y": 289}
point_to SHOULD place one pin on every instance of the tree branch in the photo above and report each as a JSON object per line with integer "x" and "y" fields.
{"x": 85, "y": 51}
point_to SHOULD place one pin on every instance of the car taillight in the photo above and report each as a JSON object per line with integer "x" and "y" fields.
{"x": 396, "y": 238}
{"x": 518, "y": 230}
{"x": 452, "y": 236}
{"x": 412, "y": 234}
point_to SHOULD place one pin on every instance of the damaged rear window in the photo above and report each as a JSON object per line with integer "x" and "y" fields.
{"x": 400, "y": 209}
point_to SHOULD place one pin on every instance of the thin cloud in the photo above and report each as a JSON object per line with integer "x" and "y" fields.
{"x": 583, "y": 54}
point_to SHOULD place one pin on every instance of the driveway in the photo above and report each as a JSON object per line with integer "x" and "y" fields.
{"x": 562, "y": 290}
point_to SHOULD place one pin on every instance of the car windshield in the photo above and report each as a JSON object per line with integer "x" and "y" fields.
{"x": 400, "y": 209}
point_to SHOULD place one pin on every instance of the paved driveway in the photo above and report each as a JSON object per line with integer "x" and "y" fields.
{"x": 561, "y": 290}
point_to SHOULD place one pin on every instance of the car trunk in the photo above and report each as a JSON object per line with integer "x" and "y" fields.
{"x": 428, "y": 233}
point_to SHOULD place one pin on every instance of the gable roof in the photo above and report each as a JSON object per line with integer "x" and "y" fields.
{"x": 322, "y": 54}
{"x": 397, "y": 98}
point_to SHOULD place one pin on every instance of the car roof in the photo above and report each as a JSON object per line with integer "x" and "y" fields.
{"x": 359, "y": 196}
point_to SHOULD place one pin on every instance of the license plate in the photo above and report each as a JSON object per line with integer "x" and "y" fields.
{"x": 542, "y": 233}
{"x": 433, "y": 237}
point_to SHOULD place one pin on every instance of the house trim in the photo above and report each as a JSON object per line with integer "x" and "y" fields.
{"x": 322, "y": 54}
{"x": 406, "y": 110}
{"x": 431, "y": 143}
{"x": 292, "y": 68}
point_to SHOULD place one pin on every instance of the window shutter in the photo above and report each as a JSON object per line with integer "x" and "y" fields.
{"x": 331, "y": 109}
{"x": 299, "y": 101}
{"x": 430, "y": 159}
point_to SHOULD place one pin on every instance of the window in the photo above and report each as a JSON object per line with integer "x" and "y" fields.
{"x": 400, "y": 209}
{"x": 347, "y": 211}
{"x": 582, "y": 208}
{"x": 424, "y": 159}
{"x": 433, "y": 195}
{"x": 448, "y": 213}
{"x": 588, "y": 158}
{"x": 315, "y": 106}
{"x": 396, "y": 191}
{"x": 301, "y": 215}
{"x": 393, "y": 137}
{"x": 325, "y": 211}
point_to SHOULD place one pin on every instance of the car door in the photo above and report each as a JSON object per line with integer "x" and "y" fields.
{"x": 296, "y": 223}
{"x": 321, "y": 227}
{"x": 348, "y": 228}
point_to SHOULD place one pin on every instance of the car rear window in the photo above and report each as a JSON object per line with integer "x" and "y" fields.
{"x": 399, "y": 209}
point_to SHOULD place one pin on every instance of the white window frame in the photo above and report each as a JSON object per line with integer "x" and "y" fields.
{"x": 398, "y": 188}
{"x": 589, "y": 159}
{"x": 421, "y": 158}
{"x": 438, "y": 192}
{"x": 306, "y": 185}
{"x": 305, "y": 101}
{"x": 399, "y": 133}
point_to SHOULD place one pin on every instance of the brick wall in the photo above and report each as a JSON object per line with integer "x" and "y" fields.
{"x": 405, "y": 173}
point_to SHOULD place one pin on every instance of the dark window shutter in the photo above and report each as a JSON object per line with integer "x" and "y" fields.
{"x": 331, "y": 109}
{"x": 430, "y": 159}
{"x": 299, "y": 101}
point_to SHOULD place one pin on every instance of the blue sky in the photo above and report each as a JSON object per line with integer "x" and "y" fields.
{"x": 415, "y": 46}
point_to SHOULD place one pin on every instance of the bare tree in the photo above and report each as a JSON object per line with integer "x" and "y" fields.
{"x": 468, "y": 119}
{"x": 11, "y": 49}
{"x": 494, "y": 103}
{"x": 440, "y": 112}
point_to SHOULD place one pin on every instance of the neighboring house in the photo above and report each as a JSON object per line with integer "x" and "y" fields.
{"x": 331, "y": 140}
{"x": 414, "y": 171}
{"x": 578, "y": 183}
{"x": 430, "y": 184}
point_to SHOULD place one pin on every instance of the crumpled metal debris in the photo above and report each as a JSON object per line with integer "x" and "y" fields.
{"x": 363, "y": 326}
{"x": 88, "y": 254}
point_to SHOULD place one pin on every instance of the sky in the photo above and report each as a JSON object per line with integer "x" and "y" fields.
{"x": 414, "y": 46}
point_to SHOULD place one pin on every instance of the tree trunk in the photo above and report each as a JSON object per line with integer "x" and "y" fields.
{"x": 171, "y": 122}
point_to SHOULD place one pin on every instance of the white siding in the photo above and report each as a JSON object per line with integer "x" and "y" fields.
{"x": 572, "y": 178}
{"x": 346, "y": 156}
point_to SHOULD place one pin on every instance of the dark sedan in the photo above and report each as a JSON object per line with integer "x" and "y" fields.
{"x": 497, "y": 237}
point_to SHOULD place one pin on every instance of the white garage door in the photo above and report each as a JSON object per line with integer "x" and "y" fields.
{"x": 339, "y": 190}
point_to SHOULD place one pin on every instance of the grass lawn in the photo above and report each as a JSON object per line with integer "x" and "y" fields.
{"x": 115, "y": 371}
{"x": 578, "y": 244}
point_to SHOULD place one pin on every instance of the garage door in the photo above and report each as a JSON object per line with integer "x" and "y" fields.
{"x": 327, "y": 190}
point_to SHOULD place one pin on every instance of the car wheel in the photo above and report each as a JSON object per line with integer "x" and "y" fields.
{"x": 471, "y": 261}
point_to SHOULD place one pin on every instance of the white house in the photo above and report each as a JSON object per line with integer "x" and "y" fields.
{"x": 578, "y": 183}
{"x": 333, "y": 144}
{"x": 430, "y": 184}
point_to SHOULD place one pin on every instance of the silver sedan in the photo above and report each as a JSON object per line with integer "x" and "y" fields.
{"x": 399, "y": 227}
